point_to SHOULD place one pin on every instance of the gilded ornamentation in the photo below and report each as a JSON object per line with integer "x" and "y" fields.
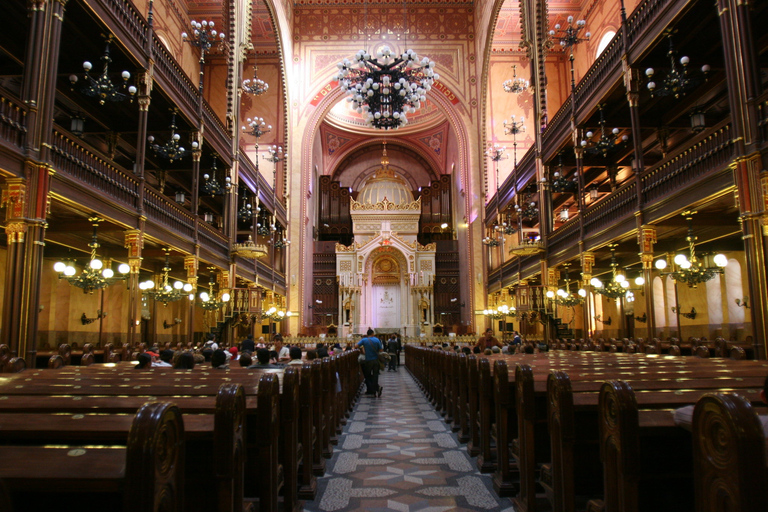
{"x": 191, "y": 265}
{"x": 16, "y": 232}
{"x": 345, "y": 266}
{"x": 134, "y": 242}
{"x": 385, "y": 205}
{"x": 14, "y": 198}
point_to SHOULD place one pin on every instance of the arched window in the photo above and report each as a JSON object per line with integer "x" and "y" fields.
{"x": 733, "y": 291}
{"x": 714, "y": 301}
{"x": 604, "y": 42}
{"x": 658, "y": 303}
{"x": 671, "y": 302}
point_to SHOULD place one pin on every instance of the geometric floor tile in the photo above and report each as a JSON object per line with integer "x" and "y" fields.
{"x": 397, "y": 453}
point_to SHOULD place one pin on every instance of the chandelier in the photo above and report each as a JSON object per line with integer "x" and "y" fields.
{"x": 606, "y": 143}
{"x": 262, "y": 226}
{"x": 245, "y": 213}
{"x": 516, "y": 84}
{"x": 208, "y": 301}
{"x": 569, "y": 37}
{"x": 101, "y": 87}
{"x": 171, "y": 150}
{"x": 166, "y": 293}
{"x": 257, "y": 127}
{"x": 387, "y": 88}
{"x": 211, "y": 185}
{"x": 280, "y": 240}
{"x": 530, "y": 212}
{"x": 559, "y": 182}
{"x": 495, "y": 152}
{"x": 491, "y": 239}
{"x": 249, "y": 249}
{"x": 691, "y": 270}
{"x": 677, "y": 82}
{"x": 500, "y": 312}
{"x": 276, "y": 315}
{"x": 94, "y": 276}
{"x": 563, "y": 296}
{"x": 255, "y": 85}
{"x": 617, "y": 286}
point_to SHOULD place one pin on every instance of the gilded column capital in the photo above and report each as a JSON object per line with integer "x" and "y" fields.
{"x": 14, "y": 198}
{"x": 587, "y": 262}
{"x": 646, "y": 238}
{"x": 191, "y": 265}
{"x": 16, "y": 232}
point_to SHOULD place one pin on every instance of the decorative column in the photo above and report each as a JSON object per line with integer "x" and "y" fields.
{"x": 191, "y": 265}
{"x": 646, "y": 237}
{"x": 742, "y": 75}
{"x": 587, "y": 262}
{"x": 134, "y": 242}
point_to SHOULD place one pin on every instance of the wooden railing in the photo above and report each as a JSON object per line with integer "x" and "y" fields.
{"x": 13, "y": 122}
{"x": 643, "y": 17}
{"x": 212, "y": 239}
{"x": 128, "y": 18}
{"x": 215, "y": 125}
{"x": 711, "y": 152}
{"x": 93, "y": 170}
{"x": 621, "y": 202}
{"x": 168, "y": 214}
{"x": 606, "y": 64}
{"x": 564, "y": 236}
{"x": 171, "y": 71}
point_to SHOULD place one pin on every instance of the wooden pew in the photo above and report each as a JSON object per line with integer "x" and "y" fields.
{"x": 729, "y": 456}
{"x": 145, "y": 476}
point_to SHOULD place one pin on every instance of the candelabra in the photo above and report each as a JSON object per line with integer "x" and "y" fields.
{"x": 387, "y": 88}
{"x": 617, "y": 286}
{"x": 94, "y": 276}
{"x": 257, "y": 127}
{"x": 691, "y": 270}
{"x": 172, "y": 149}
{"x": 676, "y": 82}
{"x": 211, "y": 186}
{"x": 606, "y": 143}
{"x": 564, "y": 297}
{"x": 516, "y": 84}
{"x": 208, "y": 301}
{"x": 203, "y": 36}
{"x": 569, "y": 36}
{"x": 255, "y": 85}
{"x": 165, "y": 293}
{"x": 101, "y": 87}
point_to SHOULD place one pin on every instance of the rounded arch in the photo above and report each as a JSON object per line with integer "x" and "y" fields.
{"x": 404, "y": 147}
{"x": 385, "y": 251}
{"x": 714, "y": 300}
{"x": 734, "y": 289}
{"x": 608, "y": 34}
{"x": 659, "y": 311}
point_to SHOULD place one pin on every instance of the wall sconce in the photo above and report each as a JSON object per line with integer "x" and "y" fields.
{"x": 643, "y": 318}
{"x": 99, "y": 315}
{"x": 77, "y": 124}
{"x": 208, "y": 217}
{"x": 180, "y": 196}
{"x": 176, "y": 321}
{"x": 742, "y": 303}
{"x": 604, "y": 322}
{"x": 594, "y": 194}
{"x": 690, "y": 315}
{"x": 698, "y": 121}
{"x": 564, "y": 214}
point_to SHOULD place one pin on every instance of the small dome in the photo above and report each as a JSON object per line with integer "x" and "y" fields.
{"x": 385, "y": 185}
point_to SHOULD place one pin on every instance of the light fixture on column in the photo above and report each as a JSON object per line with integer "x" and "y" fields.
{"x": 569, "y": 36}
{"x": 617, "y": 286}
{"x": 257, "y": 127}
{"x": 101, "y": 87}
{"x": 690, "y": 270}
{"x": 276, "y": 154}
{"x": 94, "y": 276}
{"x": 606, "y": 143}
{"x": 496, "y": 152}
{"x": 203, "y": 36}
{"x": 698, "y": 121}
{"x": 676, "y": 82}
{"x": 165, "y": 292}
{"x": 516, "y": 84}
{"x": 388, "y": 88}
{"x": 563, "y": 296}
{"x": 208, "y": 300}
{"x": 180, "y": 196}
{"x": 172, "y": 149}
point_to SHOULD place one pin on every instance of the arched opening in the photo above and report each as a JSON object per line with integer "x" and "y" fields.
{"x": 607, "y": 37}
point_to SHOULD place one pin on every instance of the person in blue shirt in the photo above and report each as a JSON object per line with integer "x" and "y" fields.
{"x": 371, "y": 347}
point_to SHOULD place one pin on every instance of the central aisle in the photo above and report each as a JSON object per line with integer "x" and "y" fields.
{"x": 396, "y": 453}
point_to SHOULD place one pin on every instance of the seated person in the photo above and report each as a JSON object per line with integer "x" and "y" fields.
{"x": 164, "y": 360}
{"x": 262, "y": 355}
{"x": 185, "y": 361}
{"x": 245, "y": 359}
{"x": 295, "y": 353}
{"x": 144, "y": 361}
{"x": 311, "y": 354}
{"x": 219, "y": 360}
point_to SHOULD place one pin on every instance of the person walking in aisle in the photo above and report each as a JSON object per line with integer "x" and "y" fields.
{"x": 371, "y": 347}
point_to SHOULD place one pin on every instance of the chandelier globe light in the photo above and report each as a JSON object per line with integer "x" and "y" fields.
{"x": 516, "y": 84}
{"x": 617, "y": 286}
{"x": 165, "y": 292}
{"x": 208, "y": 301}
{"x": 101, "y": 86}
{"x": 255, "y": 86}
{"x": 387, "y": 88}
{"x": 257, "y": 127}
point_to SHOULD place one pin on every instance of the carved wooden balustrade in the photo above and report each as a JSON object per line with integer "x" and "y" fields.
{"x": 168, "y": 214}
{"x": 13, "y": 125}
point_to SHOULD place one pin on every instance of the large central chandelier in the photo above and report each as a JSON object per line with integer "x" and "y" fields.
{"x": 94, "y": 276}
{"x": 617, "y": 286}
{"x": 690, "y": 270}
{"x": 165, "y": 293}
{"x": 388, "y": 88}
{"x": 564, "y": 297}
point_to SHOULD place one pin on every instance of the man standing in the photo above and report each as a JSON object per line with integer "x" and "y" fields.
{"x": 371, "y": 347}
{"x": 392, "y": 350}
{"x": 487, "y": 341}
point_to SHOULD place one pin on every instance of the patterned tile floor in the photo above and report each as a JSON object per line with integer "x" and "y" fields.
{"x": 396, "y": 453}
